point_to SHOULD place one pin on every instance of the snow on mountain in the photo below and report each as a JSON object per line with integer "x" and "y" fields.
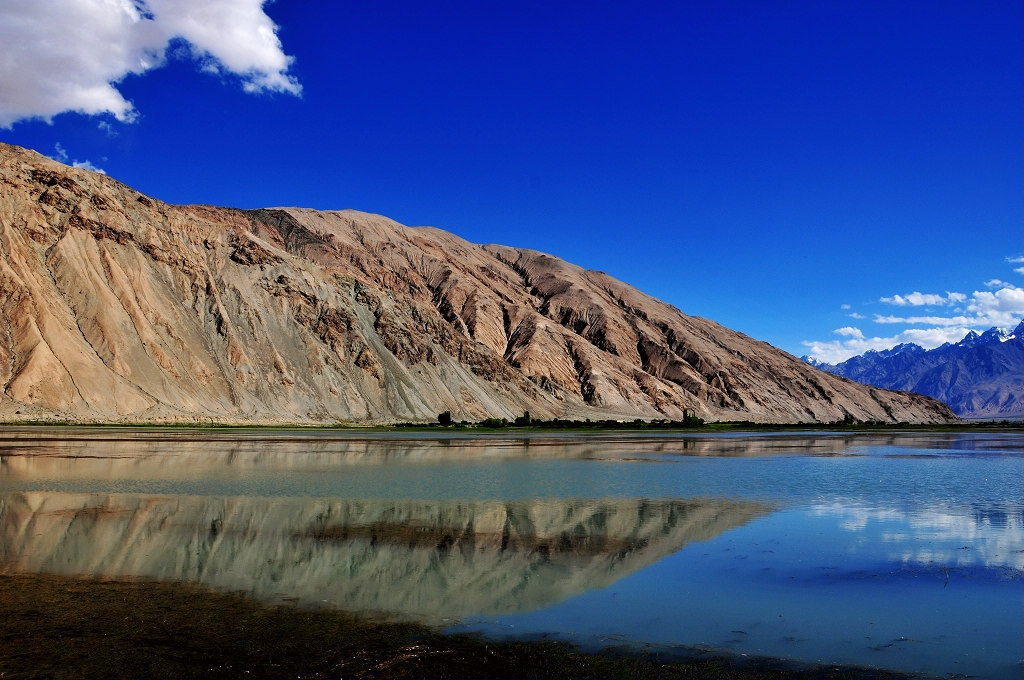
{"x": 979, "y": 377}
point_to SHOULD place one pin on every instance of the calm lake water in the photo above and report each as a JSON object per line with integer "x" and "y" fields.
{"x": 901, "y": 550}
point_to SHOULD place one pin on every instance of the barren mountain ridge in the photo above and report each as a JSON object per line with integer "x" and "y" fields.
{"x": 115, "y": 306}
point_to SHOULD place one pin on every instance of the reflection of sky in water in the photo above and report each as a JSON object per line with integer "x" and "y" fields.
{"x": 985, "y": 536}
{"x": 804, "y": 584}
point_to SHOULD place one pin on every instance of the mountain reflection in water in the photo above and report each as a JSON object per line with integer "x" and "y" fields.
{"x": 427, "y": 559}
{"x": 153, "y": 451}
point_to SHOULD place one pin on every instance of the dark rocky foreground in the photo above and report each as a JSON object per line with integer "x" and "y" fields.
{"x": 61, "y": 627}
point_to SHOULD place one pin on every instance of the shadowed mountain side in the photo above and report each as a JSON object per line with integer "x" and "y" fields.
{"x": 117, "y": 307}
{"x": 429, "y": 560}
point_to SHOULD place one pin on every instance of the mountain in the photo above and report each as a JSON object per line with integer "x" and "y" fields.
{"x": 979, "y": 377}
{"x": 118, "y": 307}
{"x": 425, "y": 559}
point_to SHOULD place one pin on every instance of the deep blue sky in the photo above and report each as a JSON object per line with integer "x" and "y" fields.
{"x": 774, "y": 166}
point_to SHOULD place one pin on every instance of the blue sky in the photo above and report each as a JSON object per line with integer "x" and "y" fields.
{"x": 829, "y": 177}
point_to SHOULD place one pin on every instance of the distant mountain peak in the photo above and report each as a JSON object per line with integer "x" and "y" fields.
{"x": 995, "y": 334}
{"x": 970, "y": 339}
{"x": 979, "y": 376}
{"x": 906, "y": 347}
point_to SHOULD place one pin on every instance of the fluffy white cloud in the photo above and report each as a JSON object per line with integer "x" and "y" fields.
{"x": 836, "y": 351}
{"x": 237, "y": 34}
{"x": 1001, "y": 306}
{"x": 69, "y": 55}
{"x": 979, "y": 311}
{"x": 916, "y": 299}
{"x": 932, "y": 320}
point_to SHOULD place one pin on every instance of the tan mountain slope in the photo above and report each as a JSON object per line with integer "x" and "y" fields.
{"x": 115, "y": 306}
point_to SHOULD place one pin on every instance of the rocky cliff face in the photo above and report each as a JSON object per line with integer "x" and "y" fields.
{"x": 117, "y": 307}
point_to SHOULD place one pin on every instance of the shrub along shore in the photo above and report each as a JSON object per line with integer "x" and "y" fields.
{"x": 444, "y": 423}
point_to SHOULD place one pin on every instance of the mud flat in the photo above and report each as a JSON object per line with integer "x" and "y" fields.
{"x": 74, "y": 628}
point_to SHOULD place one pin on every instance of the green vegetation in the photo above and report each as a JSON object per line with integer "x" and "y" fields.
{"x": 525, "y": 422}
{"x": 688, "y": 422}
{"x": 69, "y": 628}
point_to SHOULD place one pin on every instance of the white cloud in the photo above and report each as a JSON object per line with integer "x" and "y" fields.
{"x": 86, "y": 165}
{"x": 1017, "y": 260}
{"x": 844, "y": 306}
{"x": 856, "y": 315}
{"x": 955, "y": 297}
{"x": 69, "y": 55}
{"x": 916, "y": 299}
{"x": 836, "y": 351}
{"x": 1001, "y": 306}
{"x": 983, "y": 309}
{"x": 930, "y": 338}
{"x": 979, "y": 311}
{"x": 932, "y": 320}
{"x": 60, "y": 154}
{"x": 849, "y": 331}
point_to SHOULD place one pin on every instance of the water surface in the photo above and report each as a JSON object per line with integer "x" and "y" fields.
{"x": 899, "y": 550}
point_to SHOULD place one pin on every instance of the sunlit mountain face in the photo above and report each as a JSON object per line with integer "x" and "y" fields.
{"x": 123, "y": 308}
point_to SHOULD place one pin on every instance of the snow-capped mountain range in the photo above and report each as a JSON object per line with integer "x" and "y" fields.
{"x": 982, "y": 376}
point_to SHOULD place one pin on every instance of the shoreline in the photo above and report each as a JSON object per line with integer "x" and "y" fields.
{"x": 516, "y": 430}
{"x": 58, "y": 626}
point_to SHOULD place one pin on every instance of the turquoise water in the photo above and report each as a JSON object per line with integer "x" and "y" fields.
{"x": 896, "y": 550}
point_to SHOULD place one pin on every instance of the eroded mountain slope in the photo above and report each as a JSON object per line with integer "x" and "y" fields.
{"x": 116, "y": 306}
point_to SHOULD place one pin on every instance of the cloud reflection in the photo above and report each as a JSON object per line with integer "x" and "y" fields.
{"x": 989, "y": 536}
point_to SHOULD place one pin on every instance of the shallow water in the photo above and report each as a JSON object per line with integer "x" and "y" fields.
{"x": 898, "y": 550}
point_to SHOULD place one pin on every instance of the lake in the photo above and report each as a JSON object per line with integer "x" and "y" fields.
{"x": 899, "y": 550}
